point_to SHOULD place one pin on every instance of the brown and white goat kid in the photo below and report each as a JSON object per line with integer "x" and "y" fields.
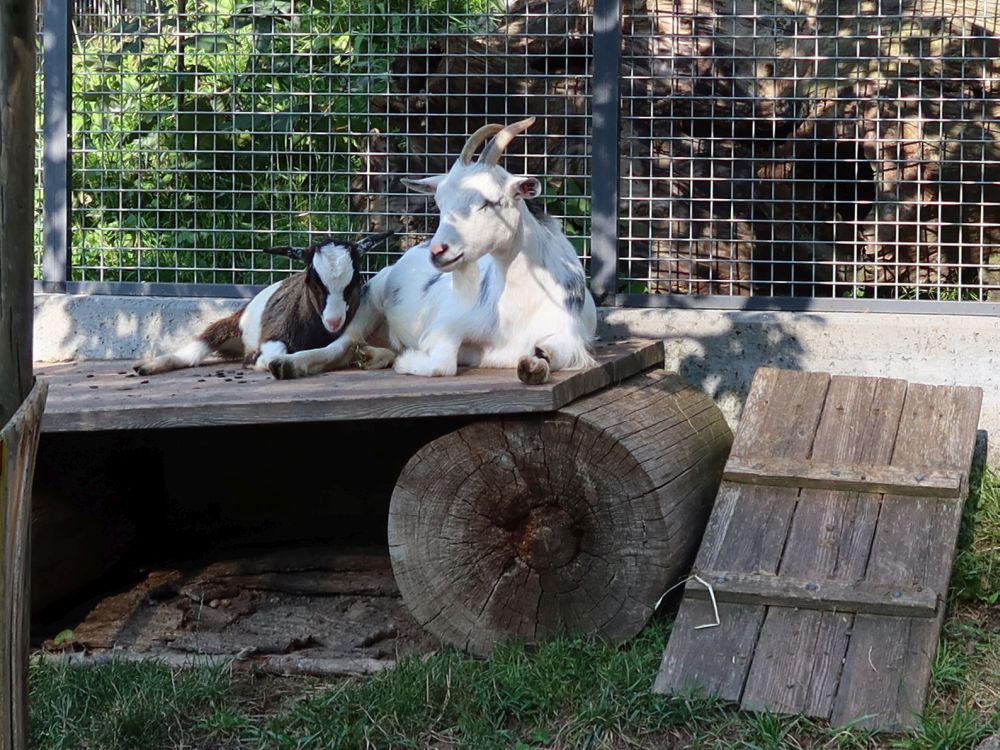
{"x": 498, "y": 285}
{"x": 307, "y": 310}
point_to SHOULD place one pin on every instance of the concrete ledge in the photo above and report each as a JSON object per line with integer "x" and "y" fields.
{"x": 717, "y": 350}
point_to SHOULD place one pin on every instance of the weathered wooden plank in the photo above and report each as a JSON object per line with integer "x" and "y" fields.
{"x": 776, "y": 472}
{"x": 107, "y": 396}
{"x": 796, "y": 668}
{"x": 18, "y": 446}
{"x": 817, "y": 593}
{"x": 745, "y": 533}
{"x": 887, "y": 665}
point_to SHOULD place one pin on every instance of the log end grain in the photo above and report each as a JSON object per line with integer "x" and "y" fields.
{"x": 572, "y": 522}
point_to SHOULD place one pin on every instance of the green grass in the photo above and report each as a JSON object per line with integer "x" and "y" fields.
{"x": 570, "y": 693}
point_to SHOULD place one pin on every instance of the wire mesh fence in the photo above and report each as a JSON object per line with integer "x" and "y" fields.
{"x": 827, "y": 148}
{"x": 798, "y": 149}
{"x": 203, "y": 131}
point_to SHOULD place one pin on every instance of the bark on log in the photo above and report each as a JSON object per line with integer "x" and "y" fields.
{"x": 18, "y": 445}
{"x": 572, "y": 522}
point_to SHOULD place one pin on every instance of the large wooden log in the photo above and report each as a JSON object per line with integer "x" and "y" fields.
{"x": 18, "y": 445}
{"x": 572, "y": 522}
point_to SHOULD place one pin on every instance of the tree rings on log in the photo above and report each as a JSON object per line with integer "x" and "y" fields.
{"x": 569, "y": 522}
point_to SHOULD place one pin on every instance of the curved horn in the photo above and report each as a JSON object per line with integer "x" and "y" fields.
{"x": 295, "y": 253}
{"x": 491, "y": 154}
{"x": 475, "y": 139}
{"x": 366, "y": 244}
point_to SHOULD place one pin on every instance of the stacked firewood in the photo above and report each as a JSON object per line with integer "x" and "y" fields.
{"x": 810, "y": 148}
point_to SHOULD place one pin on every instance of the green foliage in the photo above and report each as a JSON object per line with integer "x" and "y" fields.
{"x": 199, "y": 128}
{"x": 976, "y": 573}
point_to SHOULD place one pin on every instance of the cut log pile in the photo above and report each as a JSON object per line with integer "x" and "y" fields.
{"x": 858, "y": 137}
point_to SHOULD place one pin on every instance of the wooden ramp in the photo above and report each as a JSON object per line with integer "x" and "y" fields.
{"x": 829, "y": 549}
{"x": 107, "y": 395}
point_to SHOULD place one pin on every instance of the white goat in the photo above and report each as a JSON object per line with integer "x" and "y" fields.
{"x": 498, "y": 285}
{"x": 304, "y": 311}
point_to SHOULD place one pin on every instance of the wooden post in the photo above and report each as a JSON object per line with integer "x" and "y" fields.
{"x": 18, "y": 447}
{"x": 17, "y": 128}
{"x": 20, "y": 405}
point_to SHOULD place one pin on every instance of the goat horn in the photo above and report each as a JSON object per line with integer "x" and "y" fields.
{"x": 295, "y": 253}
{"x": 491, "y": 154}
{"x": 475, "y": 139}
{"x": 367, "y": 243}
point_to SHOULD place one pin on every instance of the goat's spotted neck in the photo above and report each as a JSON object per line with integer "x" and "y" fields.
{"x": 535, "y": 246}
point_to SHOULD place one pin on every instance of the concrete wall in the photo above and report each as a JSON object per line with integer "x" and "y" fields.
{"x": 718, "y": 350}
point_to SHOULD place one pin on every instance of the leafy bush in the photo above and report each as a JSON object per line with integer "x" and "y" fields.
{"x": 203, "y": 127}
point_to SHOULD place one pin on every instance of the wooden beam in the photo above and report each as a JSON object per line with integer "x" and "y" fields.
{"x": 895, "y": 480}
{"x": 803, "y": 593}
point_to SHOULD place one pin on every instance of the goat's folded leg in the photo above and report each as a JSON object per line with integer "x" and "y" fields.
{"x": 312, "y": 361}
{"x": 191, "y": 354}
{"x": 374, "y": 357}
{"x": 558, "y": 352}
{"x": 269, "y": 350}
{"x": 534, "y": 369}
{"x": 334, "y": 355}
{"x": 439, "y": 359}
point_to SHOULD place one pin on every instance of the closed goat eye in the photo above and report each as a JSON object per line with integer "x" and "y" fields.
{"x": 489, "y": 204}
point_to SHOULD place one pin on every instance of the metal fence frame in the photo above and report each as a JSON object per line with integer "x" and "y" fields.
{"x": 604, "y": 263}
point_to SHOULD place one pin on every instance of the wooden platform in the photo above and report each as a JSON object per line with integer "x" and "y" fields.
{"x": 829, "y": 549}
{"x": 107, "y": 395}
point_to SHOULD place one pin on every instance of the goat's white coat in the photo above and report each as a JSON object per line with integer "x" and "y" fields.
{"x": 492, "y": 287}
{"x": 251, "y": 320}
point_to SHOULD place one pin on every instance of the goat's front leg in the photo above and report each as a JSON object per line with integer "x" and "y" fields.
{"x": 268, "y": 351}
{"x": 374, "y": 357}
{"x": 435, "y": 358}
{"x": 308, "y": 362}
{"x": 334, "y": 355}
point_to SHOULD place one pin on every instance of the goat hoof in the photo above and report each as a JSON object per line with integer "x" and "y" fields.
{"x": 283, "y": 369}
{"x": 374, "y": 358}
{"x": 533, "y": 370}
{"x": 146, "y": 367}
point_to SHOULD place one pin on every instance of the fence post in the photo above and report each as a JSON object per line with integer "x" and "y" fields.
{"x": 604, "y": 176}
{"x": 20, "y": 405}
{"x": 57, "y": 180}
{"x": 17, "y": 200}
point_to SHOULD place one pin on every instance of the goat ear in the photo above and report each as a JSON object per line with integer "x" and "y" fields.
{"x": 427, "y": 185}
{"x": 525, "y": 187}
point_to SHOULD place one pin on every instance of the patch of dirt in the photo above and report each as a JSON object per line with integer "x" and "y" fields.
{"x": 310, "y": 610}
